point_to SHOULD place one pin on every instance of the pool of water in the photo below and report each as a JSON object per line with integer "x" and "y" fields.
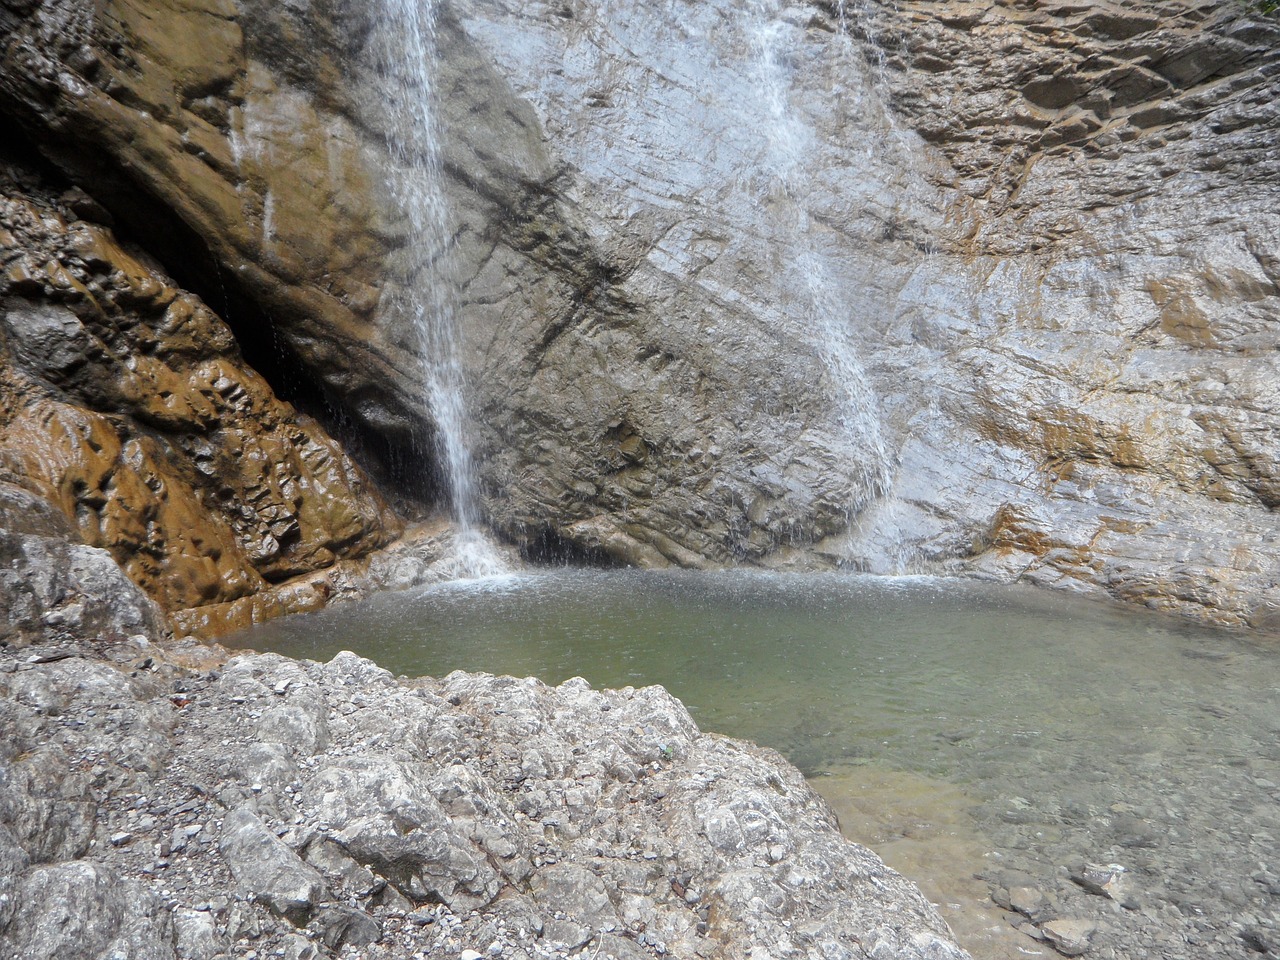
{"x": 1015, "y": 734}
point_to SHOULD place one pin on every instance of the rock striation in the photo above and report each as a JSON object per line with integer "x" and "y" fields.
{"x": 157, "y": 803}
{"x": 1096, "y": 408}
{"x": 1047, "y": 233}
{"x": 984, "y": 287}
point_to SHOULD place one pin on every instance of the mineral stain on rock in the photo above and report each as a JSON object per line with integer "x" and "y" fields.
{"x": 128, "y": 410}
{"x": 1048, "y": 233}
{"x": 1045, "y": 233}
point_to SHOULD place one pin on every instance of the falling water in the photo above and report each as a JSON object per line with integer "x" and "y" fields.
{"x": 788, "y": 141}
{"x": 883, "y": 523}
{"x": 407, "y": 61}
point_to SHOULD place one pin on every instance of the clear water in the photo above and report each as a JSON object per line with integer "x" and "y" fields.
{"x": 826, "y": 667}
{"x": 1051, "y": 730}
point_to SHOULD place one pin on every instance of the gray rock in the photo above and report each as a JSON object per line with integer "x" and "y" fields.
{"x": 300, "y": 723}
{"x": 45, "y": 807}
{"x": 85, "y": 910}
{"x": 420, "y": 788}
{"x": 51, "y": 587}
{"x": 577, "y": 892}
{"x": 1105, "y": 880}
{"x": 196, "y": 936}
{"x": 342, "y": 926}
{"x": 13, "y": 861}
{"x": 1069, "y": 937}
{"x": 383, "y": 815}
{"x": 1027, "y": 901}
{"x": 268, "y": 764}
{"x": 331, "y": 859}
{"x": 265, "y": 868}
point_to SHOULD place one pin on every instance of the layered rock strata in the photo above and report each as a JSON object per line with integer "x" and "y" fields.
{"x": 1099, "y": 406}
{"x": 158, "y": 804}
{"x": 978, "y": 287}
{"x": 608, "y": 405}
{"x": 130, "y": 424}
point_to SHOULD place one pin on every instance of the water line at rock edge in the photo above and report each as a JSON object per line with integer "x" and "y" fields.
{"x": 406, "y": 69}
{"x": 788, "y": 142}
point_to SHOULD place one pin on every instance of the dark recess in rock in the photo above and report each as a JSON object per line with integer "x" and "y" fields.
{"x": 397, "y": 462}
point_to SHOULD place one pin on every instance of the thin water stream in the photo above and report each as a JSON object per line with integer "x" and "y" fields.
{"x": 959, "y": 728}
{"x": 407, "y": 61}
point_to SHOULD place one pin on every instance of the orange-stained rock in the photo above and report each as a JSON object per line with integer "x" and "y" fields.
{"x": 124, "y": 402}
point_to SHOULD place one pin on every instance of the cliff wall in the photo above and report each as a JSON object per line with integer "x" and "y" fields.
{"x": 953, "y": 287}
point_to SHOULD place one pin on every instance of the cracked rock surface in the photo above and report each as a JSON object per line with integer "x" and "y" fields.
{"x": 986, "y": 287}
{"x": 132, "y": 432}
{"x": 159, "y": 803}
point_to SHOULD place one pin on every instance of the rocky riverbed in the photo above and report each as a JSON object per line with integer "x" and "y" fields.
{"x": 162, "y": 801}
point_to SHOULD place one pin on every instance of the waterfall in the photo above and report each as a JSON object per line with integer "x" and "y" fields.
{"x": 788, "y": 141}
{"x": 407, "y": 61}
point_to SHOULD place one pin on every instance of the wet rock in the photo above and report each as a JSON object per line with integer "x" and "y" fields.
{"x": 1027, "y": 901}
{"x": 130, "y": 412}
{"x": 1014, "y": 318}
{"x": 1107, "y": 881}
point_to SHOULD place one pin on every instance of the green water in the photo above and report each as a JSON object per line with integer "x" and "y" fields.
{"x": 922, "y": 672}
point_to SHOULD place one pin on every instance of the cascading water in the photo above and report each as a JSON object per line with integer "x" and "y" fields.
{"x": 824, "y": 315}
{"x": 407, "y": 54}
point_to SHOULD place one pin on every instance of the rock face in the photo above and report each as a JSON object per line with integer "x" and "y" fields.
{"x": 294, "y": 809}
{"x": 237, "y": 155}
{"x": 986, "y": 287}
{"x": 133, "y": 430}
{"x": 1048, "y": 235}
{"x": 1100, "y": 406}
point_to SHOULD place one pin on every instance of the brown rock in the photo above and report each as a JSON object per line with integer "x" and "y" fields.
{"x": 125, "y": 405}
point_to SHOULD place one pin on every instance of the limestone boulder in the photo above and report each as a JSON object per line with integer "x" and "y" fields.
{"x": 471, "y": 815}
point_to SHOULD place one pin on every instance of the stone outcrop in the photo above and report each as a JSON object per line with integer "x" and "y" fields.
{"x": 156, "y": 803}
{"x": 959, "y": 287}
{"x": 51, "y": 584}
{"x": 130, "y": 428}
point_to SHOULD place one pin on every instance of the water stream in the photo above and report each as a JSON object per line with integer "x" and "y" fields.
{"x": 790, "y": 142}
{"x": 959, "y": 728}
{"x": 407, "y": 59}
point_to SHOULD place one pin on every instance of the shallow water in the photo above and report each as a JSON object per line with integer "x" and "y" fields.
{"x": 1050, "y": 730}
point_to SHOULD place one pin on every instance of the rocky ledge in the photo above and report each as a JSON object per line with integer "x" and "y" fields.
{"x": 166, "y": 802}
